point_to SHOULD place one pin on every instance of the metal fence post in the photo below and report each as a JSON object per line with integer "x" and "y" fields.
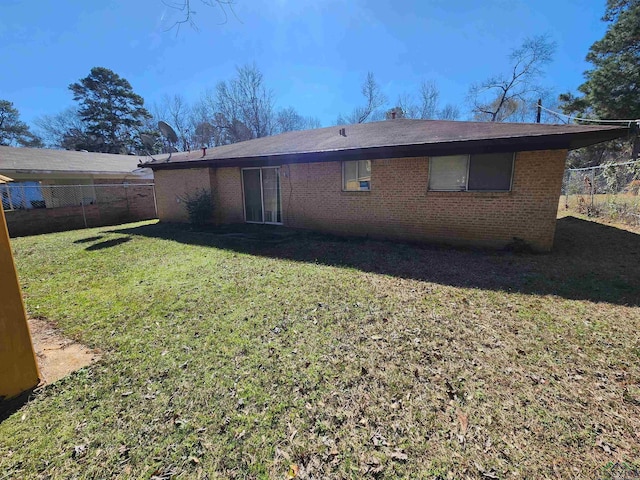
{"x": 84, "y": 215}
{"x": 155, "y": 201}
{"x": 593, "y": 179}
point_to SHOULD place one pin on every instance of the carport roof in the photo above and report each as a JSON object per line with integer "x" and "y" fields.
{"x": 392, "y": 139}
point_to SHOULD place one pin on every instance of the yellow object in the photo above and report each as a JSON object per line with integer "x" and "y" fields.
{"x": 18, "y": 367}
{"x": 4, "y": 179}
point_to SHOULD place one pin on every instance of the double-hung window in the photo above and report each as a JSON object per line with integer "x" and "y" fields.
{"x": 356, "y": 175}
{"x": 489, "y": 172}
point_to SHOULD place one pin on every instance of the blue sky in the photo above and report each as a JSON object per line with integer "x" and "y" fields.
{"x": 314, "y": 53}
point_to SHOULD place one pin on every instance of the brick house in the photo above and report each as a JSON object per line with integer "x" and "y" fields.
{"x": 470, "y": 183}
{"x": 55, "y": 190}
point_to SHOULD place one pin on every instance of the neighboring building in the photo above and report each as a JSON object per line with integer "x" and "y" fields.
{"x": 61, "y": 190}
{"x": 471, "y": 183}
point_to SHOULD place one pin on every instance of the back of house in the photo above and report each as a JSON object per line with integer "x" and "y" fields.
{"x": 469, "y": 183}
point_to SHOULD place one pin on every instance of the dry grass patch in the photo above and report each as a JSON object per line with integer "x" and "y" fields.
{"x": 316, "y": 357}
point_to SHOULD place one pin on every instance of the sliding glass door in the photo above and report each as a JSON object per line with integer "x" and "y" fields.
{"x": 261, "y": 188}
{"x": 252, "y": 185}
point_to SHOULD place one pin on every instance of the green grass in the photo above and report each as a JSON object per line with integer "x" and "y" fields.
{"x": 228, "y": 358}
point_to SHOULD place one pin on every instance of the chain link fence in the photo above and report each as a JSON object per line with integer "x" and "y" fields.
{"x": 610, "y": 191}
{"x": 34, "y": 208}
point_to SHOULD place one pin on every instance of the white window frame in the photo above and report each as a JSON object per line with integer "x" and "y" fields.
{"x": 357, "y": 162}
{"x": 466, "y": 187}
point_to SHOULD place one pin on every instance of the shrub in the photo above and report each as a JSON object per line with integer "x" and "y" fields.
{"x": 199, "y": 206}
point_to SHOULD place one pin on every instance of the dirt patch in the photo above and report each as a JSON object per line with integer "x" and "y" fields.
{"x": 57, "y": 355}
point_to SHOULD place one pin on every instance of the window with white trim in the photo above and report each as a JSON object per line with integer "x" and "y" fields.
{"x": 486, "y": 172}
{"x": 356, "y": 176}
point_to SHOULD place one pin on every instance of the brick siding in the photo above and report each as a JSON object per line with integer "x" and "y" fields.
{"x": 399, "y": 206}
{"x": 173, "y": 185}
{"x": 228, "y": 195}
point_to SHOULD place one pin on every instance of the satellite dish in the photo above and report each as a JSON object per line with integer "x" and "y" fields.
{"x": 168, "y": 132}
{"x": 148, "y": 141}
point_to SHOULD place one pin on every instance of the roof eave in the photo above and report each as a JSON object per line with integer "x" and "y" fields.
{"x": 497, "y": 145}
{"x": 84, "y": 173}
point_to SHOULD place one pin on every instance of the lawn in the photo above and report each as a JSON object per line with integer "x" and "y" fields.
{"x": 619, "y": 208}
{"x": 308, "y": 356}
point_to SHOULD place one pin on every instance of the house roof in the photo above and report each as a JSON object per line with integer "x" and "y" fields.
{"x": 41, "y": 160}
{"x": 392, "y": 139}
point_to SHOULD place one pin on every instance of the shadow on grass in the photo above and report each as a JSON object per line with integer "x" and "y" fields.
{"x": 88, "y": 239}
{"x": 9, "y": 407}
{"x": 590, "y": 261}
{"x": 107, "y": 244}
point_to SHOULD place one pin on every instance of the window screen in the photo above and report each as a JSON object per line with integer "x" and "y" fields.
{"x": 448, "y": 173}
{"x": 490, "y": 171}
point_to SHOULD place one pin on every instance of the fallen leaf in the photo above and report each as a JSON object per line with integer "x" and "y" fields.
{"x": 374, "y": 465}
{"x": 379, "y": 440}
{"x": 293, "y": 471}
{"x": 165, "y": 474}
{"x": 604, "y": 446}
{"x": 79, "y": 451}
{"x": 489, "y": 475}
{"x": 123, "y": 451}
{"x": 399, "y": 456}
{"x": 463, "y": 419}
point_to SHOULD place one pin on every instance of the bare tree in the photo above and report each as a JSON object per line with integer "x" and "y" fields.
{"x": 502, "y": 97}
{"x": 175, "y": 110}
{"x": 449, "y": 112}
{"x": 241, "y": 109}
{"x": 426, "y": 107}
{"x": 429, "y": 95}
{"x": 188, "y": 14}
{"x": 406, "y": 107}
{"x": 288, "y": 120}
{"x": 56, "y": 130}
{"x": 374, "y": 99}
{"x": 202, "y": 124}
{"x": 313, "y": 122}
{"x": 245, "y": 100}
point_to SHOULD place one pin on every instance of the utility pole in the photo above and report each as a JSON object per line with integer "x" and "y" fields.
{"x": 539, "y": 110}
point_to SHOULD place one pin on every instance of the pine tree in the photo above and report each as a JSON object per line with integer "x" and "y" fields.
{"x": 13, "y": 131}
{"x": 612, "y": 86}
{"x": 111, "y": 111}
